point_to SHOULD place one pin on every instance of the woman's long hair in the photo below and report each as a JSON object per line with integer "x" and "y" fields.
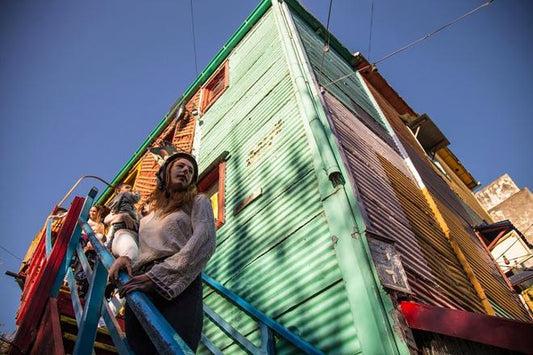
{"x": 169, "y": 200}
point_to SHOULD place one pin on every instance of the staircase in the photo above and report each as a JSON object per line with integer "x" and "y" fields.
{"x": 53, "y": 319}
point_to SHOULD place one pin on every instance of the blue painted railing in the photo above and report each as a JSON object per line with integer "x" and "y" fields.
{"x": 266, "y": 324}
{"x": 164, "y": 337}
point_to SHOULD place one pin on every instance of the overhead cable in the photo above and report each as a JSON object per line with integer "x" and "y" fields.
{"x": 409, "y": 45}
{"x": 10, "y": 253}
{"x": 326, "y": 40}
{"x": 194, "y": 40}
{"x": 370, "y": 31}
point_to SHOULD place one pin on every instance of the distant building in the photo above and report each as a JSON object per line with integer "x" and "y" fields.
{"x": 503, "y": 200}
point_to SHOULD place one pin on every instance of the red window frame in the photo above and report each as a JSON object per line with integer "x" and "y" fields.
{"x": 217, "y": 174}
{"x": 214, "y": 88}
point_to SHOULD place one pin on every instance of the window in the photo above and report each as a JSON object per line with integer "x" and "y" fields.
{"x": 212, "y": 185}
{"x": 214, "y": 88}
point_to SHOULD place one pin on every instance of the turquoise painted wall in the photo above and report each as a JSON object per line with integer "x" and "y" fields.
{"x": 277, "y": 253}
{"x": 329, "y": 67}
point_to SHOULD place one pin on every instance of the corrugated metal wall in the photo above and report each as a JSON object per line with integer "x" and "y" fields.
{"x": 276, "y": 253}
{"x": 349, "y": 91}
{"x": 396, "y": 208}
{"x": 394, "y": 204}
{"x": 460, "y": 216}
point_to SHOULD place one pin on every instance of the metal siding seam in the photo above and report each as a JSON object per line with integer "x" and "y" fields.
{"x": 374, "y": 327}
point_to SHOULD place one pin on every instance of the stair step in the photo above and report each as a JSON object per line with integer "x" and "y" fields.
{"x": 97, "y": 345}
{"x": 102, "y": 345}
{"x": 72, "y": 321}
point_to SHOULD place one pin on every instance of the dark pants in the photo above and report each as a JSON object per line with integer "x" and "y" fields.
{"x": 184, "y": 313}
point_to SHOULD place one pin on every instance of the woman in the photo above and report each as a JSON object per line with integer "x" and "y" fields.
{"x": 175, "y": 242}
{"x": 95, "y": 223}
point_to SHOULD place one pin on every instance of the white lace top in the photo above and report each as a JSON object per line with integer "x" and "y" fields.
{"x": 184, "y": 242}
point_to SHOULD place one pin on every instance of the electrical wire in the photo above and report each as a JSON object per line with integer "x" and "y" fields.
{"x": 10, "y": 253}
{"x": 326, "y": 40}
{"x": 411, "y": 44}
{"x": 370, "y": 31}
{"x": 194, "y": 40}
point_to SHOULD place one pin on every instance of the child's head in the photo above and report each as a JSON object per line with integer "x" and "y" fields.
{"x": 123, "y": 188}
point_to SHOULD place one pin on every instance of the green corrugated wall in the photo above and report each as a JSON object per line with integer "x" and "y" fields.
{"x": 277, "y": 253}
{"x": 329, "y": 67}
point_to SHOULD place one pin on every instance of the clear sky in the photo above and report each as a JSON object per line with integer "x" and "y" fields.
{"x": 82, "y": 84}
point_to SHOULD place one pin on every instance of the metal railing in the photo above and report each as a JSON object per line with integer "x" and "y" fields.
{"x": 164, "y": 337}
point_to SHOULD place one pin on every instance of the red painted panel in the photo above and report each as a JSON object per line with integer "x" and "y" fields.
{"x": 35, "y": 306}
{"x": 500, "y": 332}
{"x": 49, "y": 339}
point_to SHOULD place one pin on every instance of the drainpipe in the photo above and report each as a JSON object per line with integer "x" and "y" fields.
{"x": 372, "y": 323}
{"x": 431, "y": 202}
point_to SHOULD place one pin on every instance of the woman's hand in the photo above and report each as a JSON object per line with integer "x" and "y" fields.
{"x": 121, "y": 263}
{"x": 137, "y": 283}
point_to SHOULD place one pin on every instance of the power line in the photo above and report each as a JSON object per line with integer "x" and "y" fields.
{"x": 371, "y": 26}
{"x": 409, "y": 45}
{"x": 326, "y": 40}
{"x": 194, "y": 39}
{"x": 10, "y": 253}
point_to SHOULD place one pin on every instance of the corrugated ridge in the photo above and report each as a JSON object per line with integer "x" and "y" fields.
{"x": 325, "y": 320}
{"x": 241, "y": 247}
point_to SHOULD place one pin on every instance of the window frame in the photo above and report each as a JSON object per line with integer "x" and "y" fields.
{"x": 206, "y": 97}
{"x": 216, "y": 174}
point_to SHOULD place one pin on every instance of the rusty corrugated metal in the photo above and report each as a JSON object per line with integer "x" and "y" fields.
{"x": 458, "y": 184}
{"x": 461, "y": 212}
{"x": 397, "y": 209}
{"x": 461, "y": 223}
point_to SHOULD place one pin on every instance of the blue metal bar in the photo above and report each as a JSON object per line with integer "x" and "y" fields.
{"x": 84, "y": 262}
{"x": 106, "y": 259}
{"x": 261, "y": 317}
{"x": 210, "y": 346}
{"x": 74, "y": 240}
{"x": 74, "y": 297}
{"x": 91, "y": 312}
{"x": 233, "y": 333}
{"x": 118, "y": 337}
{"x": 163, "y": 336}
{"x": 103, "y": 254}
{"x": 267, "y": 340}
{"x": 48, "y": 240}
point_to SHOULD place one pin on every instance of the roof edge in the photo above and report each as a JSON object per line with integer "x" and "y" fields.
{"x": 222, "y": 54}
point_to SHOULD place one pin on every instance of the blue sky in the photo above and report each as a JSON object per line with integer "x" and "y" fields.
{"x": 82, "y": 84}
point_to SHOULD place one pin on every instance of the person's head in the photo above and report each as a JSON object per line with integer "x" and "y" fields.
{"x": 93, "y": 213}
{"x": 147, "y": 207}
{"x": 176, "y": 183}
{"x": 178, "y": 172}
{"x": 61, "y": 210}
{"x": 123, "y": 188}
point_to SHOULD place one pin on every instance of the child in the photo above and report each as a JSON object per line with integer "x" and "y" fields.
{"x": 123, "y": 203}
